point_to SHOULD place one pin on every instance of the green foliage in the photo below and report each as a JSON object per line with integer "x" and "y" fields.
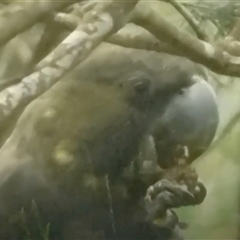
{"x": 25, "y": 220}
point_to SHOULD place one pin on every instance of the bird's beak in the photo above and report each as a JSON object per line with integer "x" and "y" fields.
{"x": 201, "y": 80}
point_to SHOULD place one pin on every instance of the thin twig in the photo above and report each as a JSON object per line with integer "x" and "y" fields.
{"x": 192, "y": 21}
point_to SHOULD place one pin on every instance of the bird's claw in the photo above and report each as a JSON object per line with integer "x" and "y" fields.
{"x": 164, "y": 195}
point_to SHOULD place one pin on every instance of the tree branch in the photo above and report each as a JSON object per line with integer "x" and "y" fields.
{"x": 231, "y": 43}
{"x": 196, "y": 50}
{"x": 195, "y": 25}
{"x": 138, "y": 38}
{"x": 130, "y": 36}
{"x": 107, "y": 19}
{"x": 103, "y": 20}
{"x": 219, "y": 61}
{"x": 18, "y": 17}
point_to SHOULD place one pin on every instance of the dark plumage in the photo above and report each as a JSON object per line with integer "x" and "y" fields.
{"x": 85, "y": 127}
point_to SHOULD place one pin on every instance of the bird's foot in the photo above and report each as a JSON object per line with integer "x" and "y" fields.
{"x": 164, "y": 195}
